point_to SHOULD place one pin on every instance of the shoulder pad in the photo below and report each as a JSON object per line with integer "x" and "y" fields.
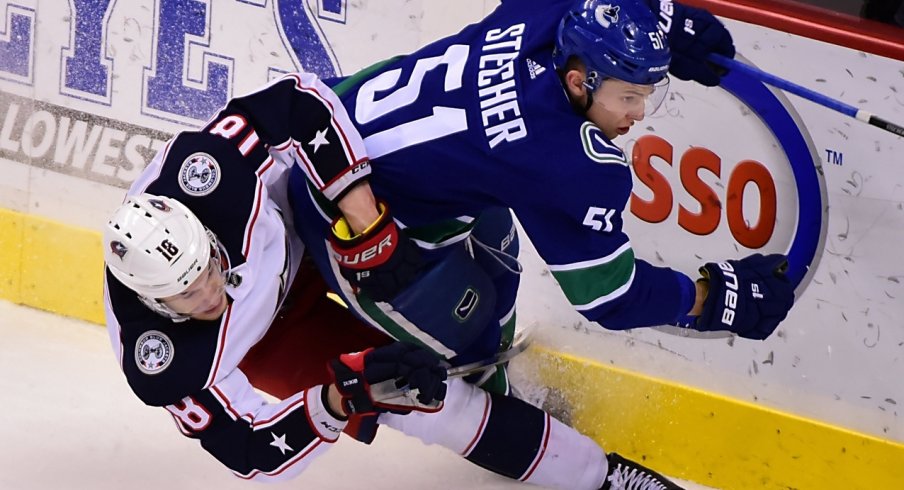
{"x": 163, "y": 361}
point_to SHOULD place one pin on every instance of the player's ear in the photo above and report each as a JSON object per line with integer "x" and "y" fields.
{"x": 574, "y": 83}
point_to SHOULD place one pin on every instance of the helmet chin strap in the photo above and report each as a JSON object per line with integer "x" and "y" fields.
{"x": 589, "y": 101}
{"x": 162, "y": 309}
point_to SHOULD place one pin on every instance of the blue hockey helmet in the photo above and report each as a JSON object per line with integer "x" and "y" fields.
{"x": 614, "y": 38}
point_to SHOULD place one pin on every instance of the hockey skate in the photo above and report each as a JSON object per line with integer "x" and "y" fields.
{"x": 625, "y": 474}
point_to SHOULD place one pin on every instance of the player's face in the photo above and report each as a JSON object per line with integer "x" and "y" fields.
{"x": 205, "y": 298}
{"x": 617, "y": 105}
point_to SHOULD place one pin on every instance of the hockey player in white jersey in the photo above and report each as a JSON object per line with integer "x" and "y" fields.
{"x": 208, "y": 296}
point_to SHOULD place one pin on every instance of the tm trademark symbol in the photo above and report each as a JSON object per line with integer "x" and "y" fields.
{"x": 835, "y": 157}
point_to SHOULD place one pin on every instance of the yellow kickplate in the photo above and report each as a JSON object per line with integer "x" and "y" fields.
{"x": 51, "y": 266}
{"x": 11, "y": 247}
{"x": 711, "y": 439}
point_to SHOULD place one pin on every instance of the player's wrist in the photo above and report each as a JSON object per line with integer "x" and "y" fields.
{"x": 332, "y": 402}
{"x": 701, "y": 287}
{"x": 359, "y": 209}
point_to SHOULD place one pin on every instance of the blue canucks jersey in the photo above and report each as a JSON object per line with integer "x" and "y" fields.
{"x": 479, "y": 120}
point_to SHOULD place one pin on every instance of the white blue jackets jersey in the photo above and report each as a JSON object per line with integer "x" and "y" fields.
{"x": 480, "y": 119}
{"x": 232, "y": 174}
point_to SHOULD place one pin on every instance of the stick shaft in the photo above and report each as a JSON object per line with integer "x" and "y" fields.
{"x": 521, "y": 343}
{"x": 811, "y": 95}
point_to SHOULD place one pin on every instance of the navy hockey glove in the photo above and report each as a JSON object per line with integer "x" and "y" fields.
{"x": 397, "y": 378}
{"x": 693, "y": 34}
{"x": 381, "y": 261}
{"x": 749, "y": 297}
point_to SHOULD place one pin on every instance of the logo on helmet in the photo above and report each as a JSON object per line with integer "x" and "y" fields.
{"x": 607, "y": 15}
{"x": 199, "y": 175}
{"x": 119, "y": 249}
{"x": 160, "y": 205}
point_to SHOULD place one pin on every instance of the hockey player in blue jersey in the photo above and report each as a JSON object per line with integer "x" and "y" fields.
{"x": 458, "y": 133}
{"x": 519, "y": 111}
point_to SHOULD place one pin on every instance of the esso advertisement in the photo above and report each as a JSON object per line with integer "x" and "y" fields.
{"x": 723, "y": 173}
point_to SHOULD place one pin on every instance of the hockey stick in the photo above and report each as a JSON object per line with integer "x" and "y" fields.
{"x": 823, "y": 100}
{"x": 521, "y": 342}
{"x": 387, "y": 392}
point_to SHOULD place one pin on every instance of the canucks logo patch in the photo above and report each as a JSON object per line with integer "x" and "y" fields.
{"x": 466, "y": 305}
{"x": 607, "y": 15}
{"x": 199, "y": 175}
{"x": 598, "y": 147}
{"x": 153, "y": 352}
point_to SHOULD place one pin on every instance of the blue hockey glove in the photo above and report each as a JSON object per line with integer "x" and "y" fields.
{"x": 415, "y": 375}
{"x": 693, "y": 34}
{"x": 749, "y": 297}
{"x": 381, "y": 261}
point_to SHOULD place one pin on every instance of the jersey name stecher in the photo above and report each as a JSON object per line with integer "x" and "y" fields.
{"x": 498, "y": 86}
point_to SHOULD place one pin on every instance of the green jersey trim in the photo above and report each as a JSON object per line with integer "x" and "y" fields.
{"x": 591, "y": 283}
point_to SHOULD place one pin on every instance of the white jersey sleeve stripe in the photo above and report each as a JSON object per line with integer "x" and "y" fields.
{"x": 221, "y": 347}
{"x": 593, "y": 262}
{"x": 488, "y": 404}
{"x": 249, "y": 230}
{"x": 268, "y": 476}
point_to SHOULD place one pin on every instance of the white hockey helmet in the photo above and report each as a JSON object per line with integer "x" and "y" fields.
{"x": 157, "y": 247}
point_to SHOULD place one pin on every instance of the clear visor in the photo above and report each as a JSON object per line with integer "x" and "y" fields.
{"x": 634, "y": 100}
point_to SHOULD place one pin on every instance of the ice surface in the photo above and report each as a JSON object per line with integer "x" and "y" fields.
{"x": 70, "y": 422}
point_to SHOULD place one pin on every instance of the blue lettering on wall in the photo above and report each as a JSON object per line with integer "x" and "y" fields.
{"x": 171, "y": 92}
{"x": 308, "y": 49}
{"x": 16, "y": 44}
{"x": 86, "y": 69}
{"x": 333, "y": 10}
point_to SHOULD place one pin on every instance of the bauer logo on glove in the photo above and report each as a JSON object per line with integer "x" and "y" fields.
{"x": 731, "y": 292}
{"x": 381, "y": 260}
{"x": 749, "y": 297}
{"x": 693, "y": 34}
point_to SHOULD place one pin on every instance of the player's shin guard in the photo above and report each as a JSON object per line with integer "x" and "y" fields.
{"x": 509, "y": 437}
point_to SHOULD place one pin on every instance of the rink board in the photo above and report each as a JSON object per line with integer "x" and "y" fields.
{"x": 708, "y": 438}
{"x": 51, "y": 266}
{"x": 680, "y": 430}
